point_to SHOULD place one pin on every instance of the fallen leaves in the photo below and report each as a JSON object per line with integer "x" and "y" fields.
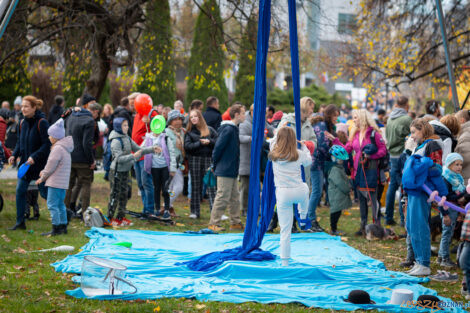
{"x": 19, "y": 250}
{"x": 6, "y": 238}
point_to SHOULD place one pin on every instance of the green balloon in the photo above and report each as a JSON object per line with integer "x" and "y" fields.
{"x": 124, "y": 244}
{"x": 158, "y": 124}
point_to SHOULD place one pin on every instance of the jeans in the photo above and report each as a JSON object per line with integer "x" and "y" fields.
{"x": 447, "y": 232}
{"x": 317, "y": 178}
{"x": 145, "y": 184}
{"x": 417, "y": 226}
{"x": 395, "y": 181}
{"x": 21, "y": 189}
{"x": 55, "y": 204}
{"x": 464, "y": 261}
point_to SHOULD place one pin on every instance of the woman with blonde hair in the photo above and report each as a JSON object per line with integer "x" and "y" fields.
{"x": 32, "y": 148}
{"x": 290, "y": 189}
{"x": 367, "y": 145}
{"x": 199, "y": 142}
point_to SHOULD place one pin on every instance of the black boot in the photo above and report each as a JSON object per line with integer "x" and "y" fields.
{"x": 63, "y": 228}
{"x": 316, "y": 228}
{"x": 272, "y": 224}
{"x": 56, "y": 230}
{"x": 22, "y": 225}
{"x": 36, "y": 212}
{"x": 362, "y": 230}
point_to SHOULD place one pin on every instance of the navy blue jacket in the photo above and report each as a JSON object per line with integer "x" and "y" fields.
{"x": 213, "y": 118}
{"x": 33, "y": 141}
{"x": 226, "y": 154}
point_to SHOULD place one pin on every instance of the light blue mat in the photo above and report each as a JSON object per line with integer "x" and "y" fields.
{"x": 322, "y": 273}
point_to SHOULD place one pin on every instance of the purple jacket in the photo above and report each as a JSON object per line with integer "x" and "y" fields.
{"x": 355, "y": 146}
{"x": 56, "y": 174}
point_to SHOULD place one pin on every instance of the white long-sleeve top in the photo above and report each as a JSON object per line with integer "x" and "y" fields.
{"x": 287, "y": 174}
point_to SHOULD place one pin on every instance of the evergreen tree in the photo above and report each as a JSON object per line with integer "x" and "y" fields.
{"x": 206, "y": 65}
{"x": 156, "y": 75}
{"x": 245, "y": 80}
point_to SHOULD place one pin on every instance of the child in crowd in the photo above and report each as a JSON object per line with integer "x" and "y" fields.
{"x": 162, "y": 165}
{"x": 56, "y": 174}
{"x": 123, "y": 160}
{"x": 175, "y": 132}
{"x": 290, "y": 188}
{"x": 464, "y": 260}
{"x": 338, "y": 187}
{"x": 452, "y": 175}
{"x": 418, "y": 207}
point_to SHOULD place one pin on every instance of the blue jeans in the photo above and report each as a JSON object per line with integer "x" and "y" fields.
{"x": 21, "y": 189}
{"x": 316, "y": 177}
{"x": 395, "y": 181}
{"x": 145, "y": 184}
{"x": 447, "y": 232}
{"x": 417, "y": 226}
{"x": 55, "y": 204}
{"x": 464, "y": 261}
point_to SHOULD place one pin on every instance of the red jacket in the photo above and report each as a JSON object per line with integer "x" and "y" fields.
{"x": 139, "y": 129}
{"x": 3, "y": 132}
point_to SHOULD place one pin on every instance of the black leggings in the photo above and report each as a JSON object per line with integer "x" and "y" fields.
{"x": 334, "y": 218}
{"x": 160, "y": 176}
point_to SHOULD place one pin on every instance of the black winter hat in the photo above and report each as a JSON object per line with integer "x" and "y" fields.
{"x": 429, "y": 301}
{"x": 359, "y": 297}
{"x": 86, "y": 98}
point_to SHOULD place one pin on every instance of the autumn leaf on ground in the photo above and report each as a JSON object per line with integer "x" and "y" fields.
{"x": 6, "y": 238}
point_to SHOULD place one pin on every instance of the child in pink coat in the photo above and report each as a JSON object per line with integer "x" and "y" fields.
{"x": 56, "y": 174}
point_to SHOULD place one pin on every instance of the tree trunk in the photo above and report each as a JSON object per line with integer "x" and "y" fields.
{"x": 101, "y": 65}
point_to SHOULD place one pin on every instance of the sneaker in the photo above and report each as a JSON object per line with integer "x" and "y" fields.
{"x": 316, "y": 227}
{"x": 126, "y": 222}
{"x": 415, "y": 265}
{"x": 445, "y": 276}
{"x": 337, "y": 233}
{"x": 420, "y": 270}
{"x": 438, "y": 260}
{"x": 448, "y": 263}
{"x": 464, "y": 292}
{"x": 407, "y": 263}
{"x": 359, "y": 233}
{"x": 224, "y": 217}
{"x": 166, "y": 215}
{"x": 237, "y": 226}
{"x": 216, "y": 228}
{"x": 193, "y": 216}
{"x": 115, "y": 222}
{"x": 391, "y": 222}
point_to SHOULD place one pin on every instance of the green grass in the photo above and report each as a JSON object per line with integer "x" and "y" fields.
{"x": 29, "y": 284}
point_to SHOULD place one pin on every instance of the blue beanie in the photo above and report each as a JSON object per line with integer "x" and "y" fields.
{"x": 117, "y": 124}
{"x": 452, "y": 157}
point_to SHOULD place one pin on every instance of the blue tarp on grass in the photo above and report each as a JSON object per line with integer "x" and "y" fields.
{"x": 323, "y": 270}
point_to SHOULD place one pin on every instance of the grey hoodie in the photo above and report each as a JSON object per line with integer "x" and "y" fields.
{"x": 397, "y": 112}
{"x": 122, "y": 152}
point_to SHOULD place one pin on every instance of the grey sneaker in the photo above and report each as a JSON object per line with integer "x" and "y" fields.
{"x": 166, "y": 215}
{"x": 448, "y": 263}
{"x": 445, "y": 276}
{"x": 438, "y": 260}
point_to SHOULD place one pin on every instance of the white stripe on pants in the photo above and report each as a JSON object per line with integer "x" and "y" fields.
{"x": 176, "y": 186}
{"x": 285, "y": 198}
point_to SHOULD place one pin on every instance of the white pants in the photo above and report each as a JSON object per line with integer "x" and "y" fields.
{"x": 176, "y": 186}
{"x": 286, "y": 197}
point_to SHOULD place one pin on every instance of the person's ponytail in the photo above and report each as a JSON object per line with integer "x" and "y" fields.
{"x": 35, "y": 102}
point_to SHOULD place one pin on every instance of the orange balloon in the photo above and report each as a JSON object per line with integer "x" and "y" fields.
{"x": 143, "y": 104}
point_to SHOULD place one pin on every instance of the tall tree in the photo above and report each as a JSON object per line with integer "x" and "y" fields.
{"x": 206, "y": 65}
{"x": 245, "y": 79}
{"x": 156, "y": 74}
{"x": 413, "y": 49}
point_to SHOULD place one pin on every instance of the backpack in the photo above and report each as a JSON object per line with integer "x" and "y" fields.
{"x": 383, "y": 162}
{"x": 93, "y": 217}
{"x": 108, "y": 155}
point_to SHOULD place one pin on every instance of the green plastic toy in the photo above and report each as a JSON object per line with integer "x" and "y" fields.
{"x": 125, "y": 244}
{"x": 158, "y": 124}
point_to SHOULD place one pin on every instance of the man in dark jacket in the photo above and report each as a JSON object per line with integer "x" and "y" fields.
{"x": 124, "y": 110}
{"x": 57, "y": 110}
{"x": 212, "y": 114}
{"x": 81, "y": 126}
{"x": 226, "y": 160}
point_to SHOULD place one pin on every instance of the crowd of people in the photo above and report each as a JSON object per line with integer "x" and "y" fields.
{"x": 370, "y": 154}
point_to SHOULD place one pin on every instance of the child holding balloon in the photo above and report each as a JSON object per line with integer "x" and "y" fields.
{"x": 122, "y": 147}
{"x": 452, "y": 175}
{"x": 162, "y": 164}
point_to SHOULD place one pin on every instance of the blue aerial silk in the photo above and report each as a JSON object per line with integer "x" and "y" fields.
{"x": 254, "y": 230}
